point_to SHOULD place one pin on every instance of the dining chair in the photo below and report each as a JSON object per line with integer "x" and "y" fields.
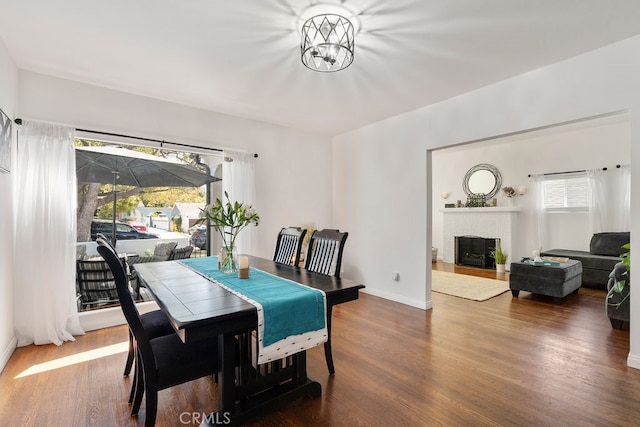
{"x": 289, "y": 245}
{"x": 161, "y": 362}
{"x": 155, "y": 322}
{"x": 324, "y": 256}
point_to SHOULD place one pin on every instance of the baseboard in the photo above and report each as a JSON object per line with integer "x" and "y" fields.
{"x": 424, "y": 305}
{"x": 633, "y": 361}
{"x": 108, "y": 317}
{"x": 6, "y": 354}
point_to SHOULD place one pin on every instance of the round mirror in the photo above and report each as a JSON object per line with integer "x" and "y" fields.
{"x": 482, "y": 180}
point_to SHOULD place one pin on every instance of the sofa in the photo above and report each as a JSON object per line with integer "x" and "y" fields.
{"x": 597, "y": 263}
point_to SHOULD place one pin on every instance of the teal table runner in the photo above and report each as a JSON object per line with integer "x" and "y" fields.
{"x": 289, "y": 308}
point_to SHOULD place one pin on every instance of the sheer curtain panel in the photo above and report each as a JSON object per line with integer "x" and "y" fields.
{"x": 45, "y": 235}
{"x": 238, "y": 179}
{"x": 539, "y": 212}
{"x": 610, "y": 203}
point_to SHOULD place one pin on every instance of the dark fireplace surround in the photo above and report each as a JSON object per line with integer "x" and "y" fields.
{"x": 475, "y": 251}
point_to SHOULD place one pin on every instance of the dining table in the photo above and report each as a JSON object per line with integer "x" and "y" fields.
{"x": 199, "y": 307}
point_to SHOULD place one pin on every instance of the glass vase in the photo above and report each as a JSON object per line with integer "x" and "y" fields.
{"x": 228, "y": 260}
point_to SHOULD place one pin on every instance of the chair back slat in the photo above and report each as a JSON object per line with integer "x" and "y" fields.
{"x": 289, "y": 245}
{"x": 325, "y": 252}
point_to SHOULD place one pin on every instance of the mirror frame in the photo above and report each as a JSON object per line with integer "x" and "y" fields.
{"x": 482, "y": 167}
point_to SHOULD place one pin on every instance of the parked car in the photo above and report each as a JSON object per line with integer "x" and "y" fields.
{"x": 138, "y": 226}
{"x": 198, "y": 237}
{"x": 123, "y": 231}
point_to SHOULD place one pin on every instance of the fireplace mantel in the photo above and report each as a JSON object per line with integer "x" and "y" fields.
{"x": 494, "y": 222}
{"x": 481, "y": 210}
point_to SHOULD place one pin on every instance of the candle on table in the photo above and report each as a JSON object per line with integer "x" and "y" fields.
{"x": 243, "y": 262}
{"x": 243, "y": 267}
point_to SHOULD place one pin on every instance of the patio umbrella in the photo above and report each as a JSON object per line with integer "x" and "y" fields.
{"x": 127, "y": 167}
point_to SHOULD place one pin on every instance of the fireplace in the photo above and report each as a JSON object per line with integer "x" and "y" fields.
{"x": 475, "y": 251}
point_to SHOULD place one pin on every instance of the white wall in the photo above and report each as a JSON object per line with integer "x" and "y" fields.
{"x": 382, "y": 173}
{"x": 566, "y": 148}
{"x": 291, "y": 170}
{"x": 8, "y": 97}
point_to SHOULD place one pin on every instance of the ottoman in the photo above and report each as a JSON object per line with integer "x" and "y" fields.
{"x": 556, "y": 281}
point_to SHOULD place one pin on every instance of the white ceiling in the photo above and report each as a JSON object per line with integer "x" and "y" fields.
{"x": 242, "y": 57}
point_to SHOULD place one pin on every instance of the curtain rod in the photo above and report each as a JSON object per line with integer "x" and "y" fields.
{"x": 562, "y": 173}
{"x": 18, "y": 121}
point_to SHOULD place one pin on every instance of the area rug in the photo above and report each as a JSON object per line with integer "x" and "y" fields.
{"x": 468, "y": 287}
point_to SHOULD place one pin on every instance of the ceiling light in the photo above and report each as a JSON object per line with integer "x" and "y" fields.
{"x": 327, "y": 39}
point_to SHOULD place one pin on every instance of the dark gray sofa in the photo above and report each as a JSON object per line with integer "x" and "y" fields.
{"x": 604, "y": 253}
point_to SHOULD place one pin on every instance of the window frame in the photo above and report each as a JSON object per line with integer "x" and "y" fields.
{"x": 565, "y": 177}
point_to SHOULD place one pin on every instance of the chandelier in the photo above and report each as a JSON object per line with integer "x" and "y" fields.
{"x": 327, "y": 42}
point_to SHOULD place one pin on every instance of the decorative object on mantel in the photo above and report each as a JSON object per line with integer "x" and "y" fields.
{"x": 509, "y": 192}
{"x": 478, "y": 201}
{"x": 482, "y": 180}
{"x": 229, "y": 219}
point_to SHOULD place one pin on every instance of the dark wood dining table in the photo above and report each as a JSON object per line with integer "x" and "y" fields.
{"x": 199, "y": 308}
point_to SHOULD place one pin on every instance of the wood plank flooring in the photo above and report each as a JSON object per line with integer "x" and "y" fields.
{"x": 505, "y": 361}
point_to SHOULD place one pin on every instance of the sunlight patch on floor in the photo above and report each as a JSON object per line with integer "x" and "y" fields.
{"x": 75, "y": 359}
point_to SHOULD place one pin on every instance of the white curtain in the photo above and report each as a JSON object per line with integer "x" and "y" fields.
{"x": 621, "y": 217}
{"x": 539, "y": 212}
{"x": 45, "y": 235}
{"x": 598, "y": 212}
{"x": 238, "y": 179}
{"x": 610, "y": 203}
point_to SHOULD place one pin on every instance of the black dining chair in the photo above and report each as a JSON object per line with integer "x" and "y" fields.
{"x": 289, "y": 245}
{"x": 155, "y": 322}
{"x": 324, "y": 256}
{"x": 161, "y": 362}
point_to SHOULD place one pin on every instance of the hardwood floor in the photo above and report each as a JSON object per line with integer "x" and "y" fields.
{"x": 504, "y": 361}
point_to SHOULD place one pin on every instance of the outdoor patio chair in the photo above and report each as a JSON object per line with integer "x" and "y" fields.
{"x": 161, "y": 252}
{"x": 95, "y": 282}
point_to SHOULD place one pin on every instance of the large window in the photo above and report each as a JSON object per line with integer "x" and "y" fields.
{"x": 566, "y": 192}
